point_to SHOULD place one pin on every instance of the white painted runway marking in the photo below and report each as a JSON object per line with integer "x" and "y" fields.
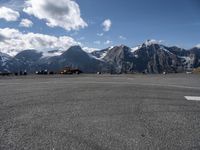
{"x": 193, "y": 98}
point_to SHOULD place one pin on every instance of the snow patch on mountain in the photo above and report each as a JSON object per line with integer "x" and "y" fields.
{"x": 197, "y": 46}
{"x": 135, "y": 48}
{"x": 104, "y": 54}
{"x": 152, "y": 41}
{"x": 52, "y": 53}
{"x": 111, "y": 47}
{"x": 4, "y": 58}
{"x": 93, "y": 57}
{"x": 101, "y": 56}
{"x": 187, "y": 61}
{"x": 166, "y": 50}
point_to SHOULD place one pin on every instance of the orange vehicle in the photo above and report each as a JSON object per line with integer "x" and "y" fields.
{"x": 69, "y": 70}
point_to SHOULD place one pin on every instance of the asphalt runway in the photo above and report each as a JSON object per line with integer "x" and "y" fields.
{"x": 100, "y": 112}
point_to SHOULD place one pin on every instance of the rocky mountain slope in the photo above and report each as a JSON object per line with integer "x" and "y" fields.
{"x": 148, "y": 57}
{"x": 4, "y": 59}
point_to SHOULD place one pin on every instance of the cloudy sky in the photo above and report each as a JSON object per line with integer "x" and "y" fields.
{"x": 50, "y": 24}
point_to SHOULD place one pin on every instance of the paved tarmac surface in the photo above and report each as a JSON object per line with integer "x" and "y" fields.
{"x": 100, "y": 112}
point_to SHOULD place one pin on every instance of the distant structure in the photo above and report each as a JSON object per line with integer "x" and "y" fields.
{"x": 5, "y": 73}
{"x": 197, "y": 70}
{"x": 42, "y": 72}
{"x": 69, "y": 70}
{"x": 8, "y": 73}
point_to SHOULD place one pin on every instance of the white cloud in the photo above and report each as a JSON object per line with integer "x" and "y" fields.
{"x": 107, "y": 25}
{"x": 13, "y": 41}
{"x": 26, "y": 23}
{"x": 107, "y": 42}
{"x": 100, "y": 34}
{"x": 90, "y": 50}
{"x": 97, "y": 42}
{"x": 8, "y": 14}
{"x": 60, "y": 13}
{"x": 122, "y": 37}
{"x": 198, "y": 45}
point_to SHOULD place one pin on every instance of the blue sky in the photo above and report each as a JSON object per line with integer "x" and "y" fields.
{"x": 175, "y": 22}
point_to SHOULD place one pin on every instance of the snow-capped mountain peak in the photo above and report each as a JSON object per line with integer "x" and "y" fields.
{"x": 90, "y": 50}
{"x": 111, "y": 47}
{"x": 197, "y": 46}
{"x": 151, "y": 42}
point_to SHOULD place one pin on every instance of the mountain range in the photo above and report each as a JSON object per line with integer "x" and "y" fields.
{"x": 149, "y": 57}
